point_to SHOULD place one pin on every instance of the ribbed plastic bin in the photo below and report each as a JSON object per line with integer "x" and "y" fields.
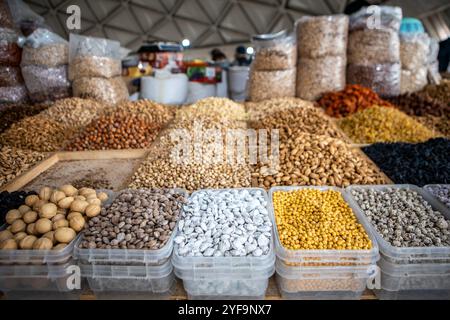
{"x": 324, "y": 257}
{"x": 127, "y": 257}
{"x": 397, "y": 255}
{"x": 226, "y": 277}
{"x": 127, "y": 282}
{"x": 323, "y": 283}
{"x": 38, "y": 282}
{"x": 413, "y": 295}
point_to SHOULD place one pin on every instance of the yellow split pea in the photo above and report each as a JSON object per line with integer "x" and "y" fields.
{"x": 319, "y": 220}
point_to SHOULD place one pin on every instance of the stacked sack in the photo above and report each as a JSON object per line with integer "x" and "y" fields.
{"x": 45, "y": 59}
{"x": 374, "y": 50}
{"x": 273, "y": 70}
{"x": 95, "y": 69}
{"x": 322, "y": 55}
{"x": 414, "y": 49}
{"x": 12, "y": 89}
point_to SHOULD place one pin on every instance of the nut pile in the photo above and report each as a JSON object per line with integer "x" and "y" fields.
{"x": 439, "y": 92}
{"x": 37, "y": 133}
{"x": 51, "y": 219}
{"x": 10, "y": 201}
{"x": 14, "y": 162}
{"x": 403, "y": 218}
{"x": 420, "y": 104}
{"x": 225, "y": 223}
{"x": 15, "y": 113}
{"x": 381, "y": 124}
{"x": 350, "y": 100}
{"x": 137, "y": 219}
{"x": 439, "y": 125}
{"x": 216, "y": 108}
{"x": 118, "y": 130}
{"x": 306, "y": 119}
{"x": 259, "y": 110}
{"x": 442, "y": 192}
{"x": 307, "y": 159}
{"x": 419, "y": 164}
{"x": 152, "y": 111}
{"x": 311, "y": 219}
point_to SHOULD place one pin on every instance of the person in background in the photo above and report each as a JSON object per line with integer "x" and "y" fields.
{"x": 242, "y": 58}
{"x": 219, "y": 58}
{"x": 444, "y": 55}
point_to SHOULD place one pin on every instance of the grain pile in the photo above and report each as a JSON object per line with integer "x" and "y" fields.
{"x": 15, "y": 113}
{"x": 352, "y": 99}
{"x": 380, "y": 124}
{"x": 14, "y": 162}
{"x": 306, "y": 159}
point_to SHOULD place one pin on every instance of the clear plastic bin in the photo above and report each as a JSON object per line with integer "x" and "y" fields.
{"x": 397, "y": 255}
{"x": 127, "y": 257}
{"x": 413, "y": 295}
{"x": 325, "y": 257}
{"x": 427, "y": 189}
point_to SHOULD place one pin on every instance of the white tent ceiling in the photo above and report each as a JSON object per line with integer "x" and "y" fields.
{"x": 205, "y": 22}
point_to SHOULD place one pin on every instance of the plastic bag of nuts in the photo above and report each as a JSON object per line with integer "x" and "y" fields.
{"x": 322, "y": 36}
{"x": 10, "y": 76}
{"x": 388, "y": 18}
{"x": 414, "y": 50}
{"x": 15, "y": 94}
{"x": 272, "y": 84}
{"x": 274, "y": 52}
{"x": 110, "y": 91}
{"x": 384, "y": 79}
{"x": 10, "y": 52}
{"x": 318, "y": 76}
{"x": 6, "y": 20}
{"x": 413, "y": 80}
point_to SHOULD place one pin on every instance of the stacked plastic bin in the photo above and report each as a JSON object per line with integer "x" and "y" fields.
{"x": 128, "y": 273}
{"x": 225, "y": 277}
{"x": 324, "y": 274}
{"x": 412, "y": 272}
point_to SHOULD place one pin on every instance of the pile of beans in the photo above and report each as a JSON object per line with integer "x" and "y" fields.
{"x": 381, "y": 124}
{"x": 15, "y": 113}
{"x": 307, "y": 159}
{"x": 14, "y": 162}
{"x": 259, "y": 110}
{"x": 137, "y": 219}
{"x": 403, "y": 217}
{"x": 419, "y": 164}
{"x": 310, "y": 219}
{"x": 442, "y": 192}
{"x": 10, "y": 201}
{"x": 306, "y": 119}
{"x": 352, "y": 99}
{"x": 223, "y": 223}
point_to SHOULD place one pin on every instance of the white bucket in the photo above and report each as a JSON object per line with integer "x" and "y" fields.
{"x": 238, "y": 82}
{"x": 222, "y": 87}
{"x": 198, "y": 91}
{"x": 167, "y": 88}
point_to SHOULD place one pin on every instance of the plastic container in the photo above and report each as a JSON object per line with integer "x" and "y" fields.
{"x": 127, "y": 257}
{"x": 237, "y": 82}
{"x": 413, "y": 295}
{"x": 397, "y": 255}
{"x": 325, "y": 257}
{"x": 323, "y": 282}
{"x": 427, "y": 189}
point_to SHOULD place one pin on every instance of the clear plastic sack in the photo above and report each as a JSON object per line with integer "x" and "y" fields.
{"x": 413, "y": 80}
{"x": 366, "y": 47}
{"x": 318, "y": 76}
{"x": 377, "y": 17}
{"x": 10, "y": 52}
{"x": 111, "y": 91}
{"x": 25, "y": 18}
{"x": 414, "y": 49}
{"x": 45, "y": 48}
{"x": 10, "y": 76}
{"x": 322, "y": 36}
{"x": 384, "y": 79}
{"x": 6, "y": 20}
{"x": 433, "y": 51}
{"x": 265, "y": 85}
{"x": 46, "y": 84}
{"x": 274, "y": 52}
{"x": 16, "y": 94}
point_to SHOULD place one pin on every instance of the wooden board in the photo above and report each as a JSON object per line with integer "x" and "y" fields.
{"x": 59, "y": 157}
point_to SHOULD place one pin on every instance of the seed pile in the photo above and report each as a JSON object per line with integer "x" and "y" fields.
{"x": 15, "y": 113}
{"x": 306, "y": 119}
{"x": 221, "y": 223}
{"x": 14, "y": 162}
{"x": 418, "y": 164}
{"x": 310, "y": 219}
{"x": 259, "y": 110}
{"x": 403, "y": 218}
{"x": 307, "y": 159}
{"x": 37, "y": 133}
{"x": 51, "y": 219}
{"x": 10, "y": 201}
{"x": 381, "y": 124}
{"x": 137, "y": 219}
{"x": 442, "y": 192}
{"x": 350, "y": 100}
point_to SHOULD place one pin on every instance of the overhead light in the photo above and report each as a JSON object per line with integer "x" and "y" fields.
{"x": 186, "y": 43}
{"x": 250, "y": 50}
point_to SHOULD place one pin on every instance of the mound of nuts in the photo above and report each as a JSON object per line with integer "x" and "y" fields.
{"x": 152, "y": 111}
{"x": 306, "y": 159}
{"x": 213, "y": 108}
{"x": 137, "y": 219}
{"x": 50, "y": 219}
{"x": 259, "y": 110}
